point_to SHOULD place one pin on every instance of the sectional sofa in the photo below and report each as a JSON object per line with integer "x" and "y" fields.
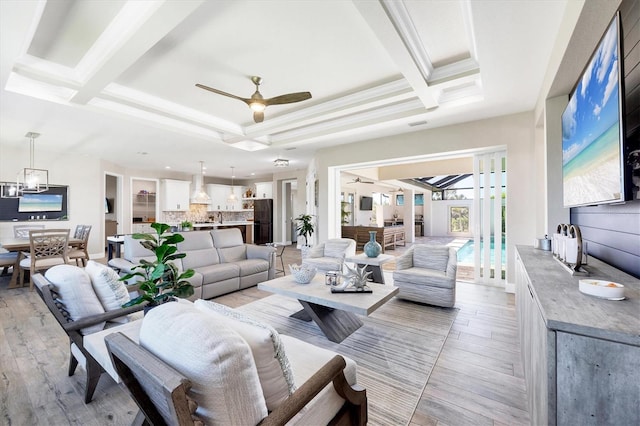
{"x": 222, "y": 262}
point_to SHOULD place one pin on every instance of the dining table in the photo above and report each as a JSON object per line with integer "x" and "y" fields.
{"x": 22, "y": 246}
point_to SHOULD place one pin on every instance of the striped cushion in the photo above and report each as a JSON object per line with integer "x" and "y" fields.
{"x": 431, "y": 257}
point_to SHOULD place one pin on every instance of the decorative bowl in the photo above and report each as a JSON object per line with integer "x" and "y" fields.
{"x": 602, "y": 288}
{"x": 302, "y": 274}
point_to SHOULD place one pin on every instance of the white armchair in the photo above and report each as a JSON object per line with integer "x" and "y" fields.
{"x": 427, "y": 274}
{"x": 330, "y": 255}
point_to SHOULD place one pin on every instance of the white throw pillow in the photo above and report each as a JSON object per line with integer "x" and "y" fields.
{"x": 274, "y": 370}
{"x": 111, "y": 292}
{"x": 76, "y": 294}
{"x": 213, "y": 357}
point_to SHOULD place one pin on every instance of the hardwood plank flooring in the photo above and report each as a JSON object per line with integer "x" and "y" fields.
{"x": 477, "y": 379}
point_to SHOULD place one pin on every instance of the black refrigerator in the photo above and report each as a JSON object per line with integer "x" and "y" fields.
{"x": 263, "y": 221}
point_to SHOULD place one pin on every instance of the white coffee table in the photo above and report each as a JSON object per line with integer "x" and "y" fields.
{"x": 335, "y": 313}
{"x": 374, "y": 264}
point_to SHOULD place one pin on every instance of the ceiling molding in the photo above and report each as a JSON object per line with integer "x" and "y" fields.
{"x": 383, "y": 27}
{"x": 399, "y": 15}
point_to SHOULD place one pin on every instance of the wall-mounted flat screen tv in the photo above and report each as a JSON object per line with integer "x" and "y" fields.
{"x": 34, "y": 203}
{"x": 366, "y": 203}
{"x": 593, "y": 128}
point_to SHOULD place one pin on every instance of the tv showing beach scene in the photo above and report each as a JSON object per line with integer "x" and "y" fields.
{"x": 591, "y": 130}
{"x": 34, "y": 203}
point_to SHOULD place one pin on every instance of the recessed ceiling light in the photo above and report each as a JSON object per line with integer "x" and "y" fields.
{"x": 253, "y": 173}
{"x": 167, "y": 167}
{"x": 142, "y": 153}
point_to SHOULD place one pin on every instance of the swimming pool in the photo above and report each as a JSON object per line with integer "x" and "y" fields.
{"x": 465, "y": 253}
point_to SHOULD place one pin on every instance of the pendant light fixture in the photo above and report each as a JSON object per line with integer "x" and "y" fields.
{"x": 31, "y": 180}
{"x": 199, "y": 195}
{"x": 232, "y": 197}
{"x": 280, "y": 162}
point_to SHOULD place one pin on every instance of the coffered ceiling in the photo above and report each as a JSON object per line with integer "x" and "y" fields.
{"x": 116, "y": 79}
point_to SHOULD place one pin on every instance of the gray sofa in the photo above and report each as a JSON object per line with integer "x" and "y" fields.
{"x": 222, "y": 261}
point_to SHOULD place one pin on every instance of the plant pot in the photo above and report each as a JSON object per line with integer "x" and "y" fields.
{"x": 372, "y": 248}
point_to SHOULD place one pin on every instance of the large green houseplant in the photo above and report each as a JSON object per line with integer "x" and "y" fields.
{"x": 305, "y": 227}
{"x": 160, "y": 279}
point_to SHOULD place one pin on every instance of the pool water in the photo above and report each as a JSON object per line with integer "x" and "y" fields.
{"x": 465, "y": 253}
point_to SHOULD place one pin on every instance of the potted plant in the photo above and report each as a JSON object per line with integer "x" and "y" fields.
{"x": 305, "y": 227}
{"x": 186, "y": 225}
{"x": 161, "y": 280}
{"x": 344, "y": 213}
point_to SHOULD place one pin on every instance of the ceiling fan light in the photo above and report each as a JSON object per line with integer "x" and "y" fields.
{"x": 257, "y": 106}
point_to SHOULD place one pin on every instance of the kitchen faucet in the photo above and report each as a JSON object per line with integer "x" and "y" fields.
{"x": 220, "y": 216}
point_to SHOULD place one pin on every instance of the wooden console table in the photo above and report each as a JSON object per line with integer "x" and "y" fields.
{"x": 387, "y": 237}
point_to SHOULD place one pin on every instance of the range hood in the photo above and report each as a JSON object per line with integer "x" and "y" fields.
{"x": 199, "y": 195}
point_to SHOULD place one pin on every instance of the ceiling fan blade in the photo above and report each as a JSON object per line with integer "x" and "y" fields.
{"x": 258, "y": 117}
{"x": 288, "y": 98}
{"x": 220, "y": 92}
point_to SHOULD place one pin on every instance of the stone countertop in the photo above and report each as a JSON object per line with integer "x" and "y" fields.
{"x": 565, "y": 308}
{"x": 218, "y": 224}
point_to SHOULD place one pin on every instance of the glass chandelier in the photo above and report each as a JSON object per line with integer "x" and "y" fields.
{"x": 31, "y": 180}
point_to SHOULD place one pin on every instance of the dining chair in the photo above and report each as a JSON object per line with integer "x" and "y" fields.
{"x": 80, "y": 253}
{"x": 47, "y": 248}
{"x": 22, "y": 231}
{"x": 7, "y": 260}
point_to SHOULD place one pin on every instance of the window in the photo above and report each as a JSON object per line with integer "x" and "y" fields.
{"x": 458, "y": 219}
{"x": 400, "y": 200}
{"x": 419, "y": 199}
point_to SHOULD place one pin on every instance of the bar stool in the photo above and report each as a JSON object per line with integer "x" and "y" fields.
{"x": 279, "y": 251}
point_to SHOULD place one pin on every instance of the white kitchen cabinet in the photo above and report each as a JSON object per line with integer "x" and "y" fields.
{"x": 217, "y": 193}
{"x": 175, "y": 195}
{"x": 264, "y": 189}
{"x": 220, "y": 198}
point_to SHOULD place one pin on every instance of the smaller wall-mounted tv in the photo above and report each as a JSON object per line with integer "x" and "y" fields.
{"x": 34, "y": 203}
{"x": 593, "y": 170}
{"x": 366, "y": 203}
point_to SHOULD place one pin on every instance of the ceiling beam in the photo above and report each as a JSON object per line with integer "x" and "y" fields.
{"x": 381, "y": 24}
{"x": 135, "y": 30}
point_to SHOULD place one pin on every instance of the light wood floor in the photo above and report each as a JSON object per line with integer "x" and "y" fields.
{"x": 477, "y": 379}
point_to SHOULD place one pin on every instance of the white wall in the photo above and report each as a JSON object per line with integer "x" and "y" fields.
{"x": 515, "y": 132}
{"x": 440, "y": 217}
{"x": 85, "y": 179}
{"x": 555, "y": 212}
